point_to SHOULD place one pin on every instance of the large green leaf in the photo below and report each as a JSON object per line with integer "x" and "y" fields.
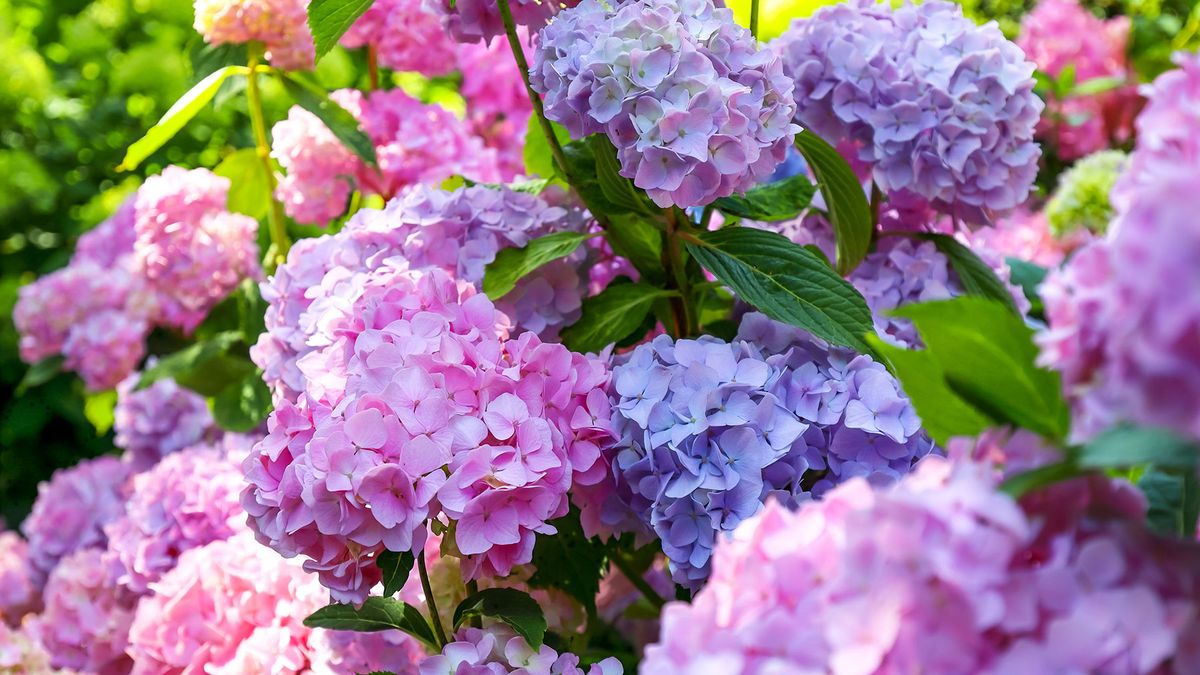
{"x": 1128, "y": 446}
{"x": 849, "y": 212}
{"x": 976, "y": 276}
{"x": 330, "y": 19}
{"x": 177, "y": 116}
{"x": 513, "y": 607}
{"x": 512, "y": 264}
{"x": 616, "y": 188}
{"x": 636, "y": 239}
{"x": 395, "y": 568}
{"x": 374, "y": 615}
{"x": 205, "y": 367}
{"x": 313, "y": 98}
{"x": 249, "y": 189}
{"x": 243, "y": 405}
{"x": 786, "y": 282}
{"x": 781, "y": 200}
{"x": 611, "y": 315}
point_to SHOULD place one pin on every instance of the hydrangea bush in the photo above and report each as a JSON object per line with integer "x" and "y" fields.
{"x": 582, "y": 338}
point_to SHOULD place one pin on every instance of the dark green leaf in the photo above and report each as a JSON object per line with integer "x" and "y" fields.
{"x": 1173, "y": 498}
{"x": 976, "y": 276}
{"x": 513, "y": 264}
{"x": 987, "y": 356}
{"x": 539, "y": 161}
{"x": 195, "y": 364}
{"x": 179, "y": 115}
{"x": 310, "y": 96}
{"x": 638, "y": 241}
{"x": 781, "y": 200}
{"x": 611, "y": 316}
{"x": 1023, "y": 483}
{"x": 1128, "y": 446}
{"x": 1029, "y": 277}
{"x": 376, "y": 614}
{"x": 249, "y": 192}
{"x": 330, "y": 19}
{"x": 395, "y": 567}
{"x": 616, "y": 188}
{"x": 509, "y": 605}
{"x": 943, "y": 413}
{"x": 243, "y": 405}
{"x": 849, "y": 212}
{"x": 569, "y": 561}
{"x": 40, "y": 373}
{"x": 786, "y": 282}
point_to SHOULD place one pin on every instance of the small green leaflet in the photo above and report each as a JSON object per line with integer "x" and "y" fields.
{"x": 330, "y": 19}
{"x": 376, "y": 614}
{"x": 849, "y": 212}
{"x": 313, "y": 98}
{"x": 513, "y": 264}
{"x": 395, "y": 567}
{"x": 40, "y": 373}
{"x": 513, "y": 607}
{"x": 178, "y": 116}
{"x": 611, "y": 316}
{"x": 781, "y": 200}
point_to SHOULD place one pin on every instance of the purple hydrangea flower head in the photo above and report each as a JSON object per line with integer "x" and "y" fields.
{"x": 695, "y": 110}
{"x": 479, "y": 20}
{"x": 190, "y": 250}
{"x": 187, "y": 500}
{"x": 20, "y": 582}
{"x": 899, "y": 272}
{"x": 72, "y": 509}
{"x": 154, "y": 422}
{"x": 942, "y": 573}
{"x": 405, "y": 37}
{"x": 709, "y": 429}
{"x": 1123, "y": 310}
{"x": 937, "y": 105}
{"x": 498, "y": 650}
{"x": 280, "y": 25}
{"x": 426, "y": 407}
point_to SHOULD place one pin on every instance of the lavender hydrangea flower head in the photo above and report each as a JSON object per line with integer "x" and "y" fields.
{"x": 498, "y": 650}
{"x": 154, "y": 422}
{"x": 695, "y": 110}
{"x": 938, "y": 106}
{"x": 709, "y": 429}
{"x": 476, "y": 20}
{"x": 405, "y": 36}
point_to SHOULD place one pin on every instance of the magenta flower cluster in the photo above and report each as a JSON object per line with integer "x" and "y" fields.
{"x": 498, "y": 106}
{"x": 280, "y": 25}
{"x": 154, "y": 422}
{"x": 405, "y": 36}
{"x": 708, "y": 430}
{"x": 936, "y": 105}
{"x": 695, "y": 110}
{"x": 1123, "y": 311}
{"x": 943, "y": 573}
{"x": 480, "y": 20}
{"x": 497, "y": 650}
{"x": 415, "y": 144}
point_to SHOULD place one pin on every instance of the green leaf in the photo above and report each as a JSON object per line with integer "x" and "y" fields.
{"x": 513, "y": 264}
{"x": 249, "y": 190}
{"x": 98, "y": 409}
{"x": 395, "y": 567}
{"x": 987, "y": 356}
{"x": 1065, "y": 81}
{"x": 202, "y": 367}
{"x": 1018, "y": 485}
{"x": 243, "y": 405}
{"x": 786, "y": 282}
{"x": 40, "y": 373}
{"x": 376, "y": 614}
{"x": 1128, "y": 446}
{"x": 1029, "y": 277}
{"x": 611, "y": 316}
{"x": 943, "y": 413}
{"x": 849, "y": 212}
{"x": 781, "y": 200}
{"x": 616, "y": 188}
{"x": 513, "y": 607}
{"x": 973, "y": 273}
{"x": 1098, "y": 85}
{"x": 179, "y": 115}
{"x": 310, "y": 96}
{"x": 1173, "y": 498}
{"x": 569, "y": 561}
{"x": 638, "y": 241}
{"x": 539, "y": 161}
{"x": 330, "y": 19}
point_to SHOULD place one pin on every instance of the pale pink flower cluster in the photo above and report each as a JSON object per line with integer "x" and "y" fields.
{"x": 415, "y": 144}
{"x": 1026, "y": 234}
{"x": 85, "y": 623}
{"x": 21, "y": 653}
{"x": 154, "y": 422}
{"x": 1124, "y": 326}
{"x": 943, "y": 574}
{"x": 498, "y": 106}
{"x": 20, "y": 583}
{"x": 405, "y": 36}
{"x": 1059, "y": 34}
{"x": 497, "y": 650}
{"x": 191, "y": 251}
{"x": 476, "y": 20}
{"x": 280, "y": 25}
{"x": 335, "y": 652}
{"x": 426, "y": 407}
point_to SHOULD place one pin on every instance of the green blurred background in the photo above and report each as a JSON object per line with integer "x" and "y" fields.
{"x": 82, "y": 79}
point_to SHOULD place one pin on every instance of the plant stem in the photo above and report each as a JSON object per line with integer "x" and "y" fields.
{"x": 275, "y": 219}
{"x": 373, "y": 66}
{"x": 754, "y": 18}
{"x": 429, "y": 601}
{"x": 638, "y": 581}
{"x": 673, "y": 252}
{"x": 514, "y": 41}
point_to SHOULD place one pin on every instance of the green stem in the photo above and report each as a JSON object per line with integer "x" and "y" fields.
{"x": 754, "y": 18}
{"x": 275, "y": 219}
{"x": 673, "y": 252}
{"x": 639, "y": 582}
{"x": 434, "y": 618}
{"x": 510, "y": 29}
{"x": 373, "y": 66}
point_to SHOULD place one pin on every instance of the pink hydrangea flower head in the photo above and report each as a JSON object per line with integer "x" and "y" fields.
{"x": 1009, "y": 451}
{"x": 405, "y": 36}
{"x": 105, "y": 347}
{"x": 21, "y": 653}
{"x": 187, "y": 500}
{"x": 190, "y": 250}
{"x": 694, "y": 109}
{"x": 1123, "y": 326}
{"x": 85, "y": 623}
{"x": 941, "y": 573}
{"x": 1096, "y": 50}
{"x": 476, "y": 20}
{"x": 498, "y": 106}
{"x": 154, "y": 422}
{"x": 280, "y": 25}
{"x": 1026, "y": 234}
{"x": 20, "y": 582}
{"x": 337, "y": 652}
{"x": 937, "y": 105}
{"x": 497, "y": 650}
{"x": 111, "y": 241}
{"x": 72, "y": 509}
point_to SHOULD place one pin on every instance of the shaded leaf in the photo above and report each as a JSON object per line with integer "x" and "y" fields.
{"x": 198, "y": 365}
{"x": 395, "y": 567}
{"x": 513, "y": 264}
{"x": 312, "y": 97}
{"x": 611, "y": 316}
{"x": 40, "y": 373}
{"x": 1025, "y": 482}
{"x": 617, "y": 189}
{"x": 849, "y": 212}
{"x": 638, "y": 241}
{"x": 1029, "y": 277}
{"x": 781, "y": 200}
{"x": 1173, "y": 500}
{"x": 976, "y": 276}
{"x": 513, "y": 607}
{"x": 569, "y": 561}
{"x": 243, "y": 405}
{"x": 1128, "y": 446}
{"x": 330, "y": 19}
